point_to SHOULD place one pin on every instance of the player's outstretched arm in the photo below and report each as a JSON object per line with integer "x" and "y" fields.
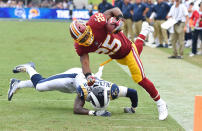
{"x": 78, "y": 109}
{"x": 85, "y": 62}
{"x": 78, "y": 106}
{"x": 114, "y": 12}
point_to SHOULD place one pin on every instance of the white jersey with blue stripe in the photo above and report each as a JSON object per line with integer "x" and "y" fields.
{"x": 65, "y": 82}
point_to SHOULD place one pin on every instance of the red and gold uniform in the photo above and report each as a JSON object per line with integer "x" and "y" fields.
{"x": 118, "y": 47}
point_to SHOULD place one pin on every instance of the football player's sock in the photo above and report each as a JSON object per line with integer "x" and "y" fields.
{"x": 150, "y": 88}
{"x": 139, "y": 43}
{"x": 132, "y": 94}
{"x": 36, "y": 78}
{"x": 25, "y": 84}
{"x": 159, "y": 102}
{"x": 31, "y": 71}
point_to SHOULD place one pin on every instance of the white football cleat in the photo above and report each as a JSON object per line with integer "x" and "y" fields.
{"x": 162, "y": 109}
{"x": 22, "y": 68}
{"x": 146, "y": 29}
{"x": 13, "y": 88}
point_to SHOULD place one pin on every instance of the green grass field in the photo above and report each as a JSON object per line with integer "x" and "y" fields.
{"x": 50, "y": 46}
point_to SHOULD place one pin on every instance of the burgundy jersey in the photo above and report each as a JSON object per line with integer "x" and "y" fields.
{"x": 116, "y": 46}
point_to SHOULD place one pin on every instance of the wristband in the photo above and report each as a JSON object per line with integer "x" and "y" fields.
{"x": 91, "y": 113}
{"x": 87, "y": 74}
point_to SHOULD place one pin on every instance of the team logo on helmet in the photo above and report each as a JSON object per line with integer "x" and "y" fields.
{"x": 81, "y": 33}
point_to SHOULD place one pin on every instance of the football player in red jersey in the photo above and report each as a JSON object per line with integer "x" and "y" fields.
{"x": 101, "y": 34}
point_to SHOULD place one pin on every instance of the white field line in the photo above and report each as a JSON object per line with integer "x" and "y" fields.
{"x": 37, "y": 100}
{"x": 133, "y": 119}
{"x": 141, "y": 127}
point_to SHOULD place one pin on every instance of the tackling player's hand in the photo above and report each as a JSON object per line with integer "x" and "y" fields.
{"x": 90, "y": 80}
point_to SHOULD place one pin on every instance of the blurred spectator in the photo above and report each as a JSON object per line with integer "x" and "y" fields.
{"x": 102, "y": 7}
{"x": 150, "y": 5}
{"x": 80, "y": 4}
{"x": 64, "y": 4}
{"x": 197, "y": 25}
{"x": 125, "y": 7}
{"x": 59, "y": 5}
{"x": 188, "y": 33}
{"x": 20, "y": 4}
{"x": 71, "y": 7}
{"x": 95, "y": 7}
{"x": 138, "y": 12}
{"x": 118, "y": 3}
{"x": 3, "y": 4}
{"x": 160, "y": 11}
{"x": 178, "y": 12}
{"x": 90, "y": 8}
{"x": 11, "y": 3}
{"x": 45, "y": 4}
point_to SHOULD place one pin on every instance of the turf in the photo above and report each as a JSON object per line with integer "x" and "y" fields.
{"x": 196, "y": 60}
{"x": 50, "y": 46}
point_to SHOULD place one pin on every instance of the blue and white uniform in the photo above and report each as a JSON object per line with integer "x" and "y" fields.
{"x": 64, "y": 82}
{"x": 114, "y": 91}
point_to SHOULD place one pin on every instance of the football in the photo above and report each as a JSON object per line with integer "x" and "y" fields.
{"x": 111, "y": 24}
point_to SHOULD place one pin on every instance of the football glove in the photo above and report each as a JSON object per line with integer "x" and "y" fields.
{"x": 102, "y": 113}
{"x": 90, "y": 80}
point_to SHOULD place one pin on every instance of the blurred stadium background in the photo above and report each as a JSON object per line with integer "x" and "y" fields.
{"x": 38, "y": 31}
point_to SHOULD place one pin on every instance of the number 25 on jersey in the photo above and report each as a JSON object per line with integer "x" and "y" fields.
{"x": 109, "y": 48}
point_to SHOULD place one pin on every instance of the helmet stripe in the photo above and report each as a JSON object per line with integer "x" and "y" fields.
{"x": 77, "y": 29}
{"x": 95, "y": 100}
{"x": 73, "y": 31}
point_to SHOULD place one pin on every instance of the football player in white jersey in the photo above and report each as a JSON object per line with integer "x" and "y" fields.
{"x": 65, "y": 82}
{"x": 71, "y": 81}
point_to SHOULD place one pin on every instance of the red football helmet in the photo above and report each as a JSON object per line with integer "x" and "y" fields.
{"x": 81, "y": 33}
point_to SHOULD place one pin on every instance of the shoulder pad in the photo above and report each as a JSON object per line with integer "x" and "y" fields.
{"x": 114, "y": 92}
